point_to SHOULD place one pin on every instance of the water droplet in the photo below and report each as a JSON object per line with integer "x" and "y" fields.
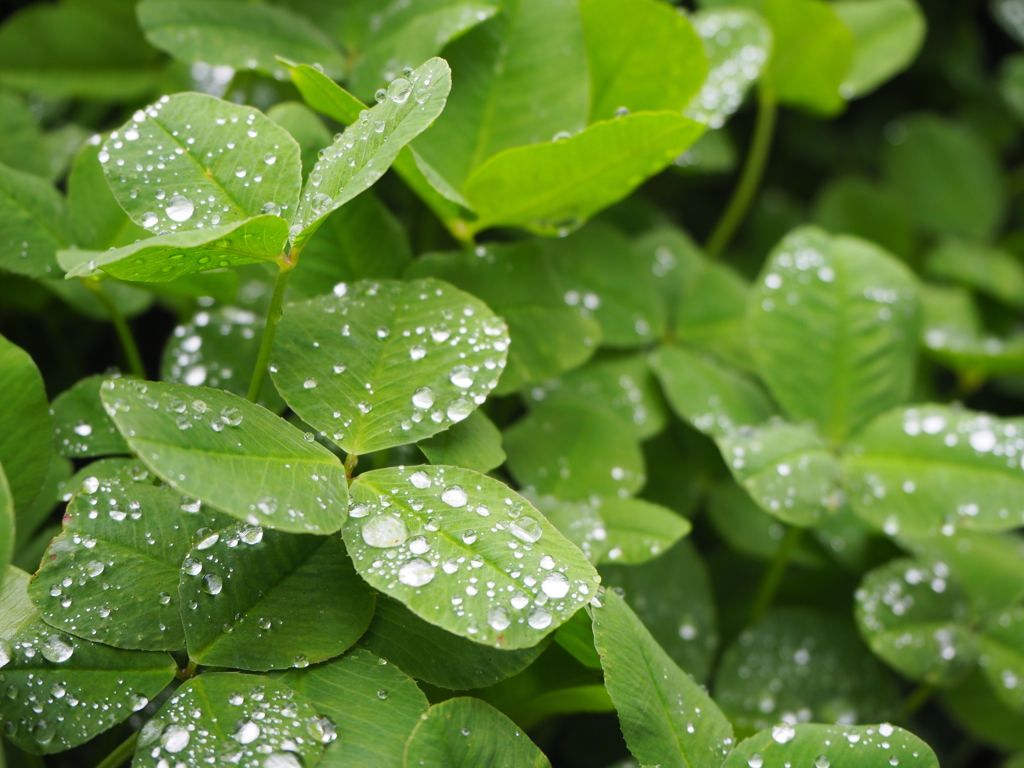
{"x": 44, "y": 731}
{"x": 454, "y": 496}
{"x": 399, "y": 90}
{"x": 175, "y": 738}
{"x": 271, "y": 208}
{"x": 555, "y": 585}
{"x": 783, "y": 732}
{"x": 382, "y": 694}
{"x": 240, "y": 172}
{"x": 526, "y": 529}
{"x": 246, "y": 732}
{"x": 886, "y": 730}
{"x": 460, "y": 409}
{"x": 57, "y": 649}
{"x": 191, "y": 566}
{"x": 414, "y": 573}
{"x": 83, "y": 429}
{"x": 539, "y": 619}
{"x": 251, "y": 534}
{"x": 150, "y": 220}
{"x": 420, "y": 479}
{"x": 384, "y": 531}
{"x": 180, "y": 208}
{"x": 309, "y": 383}
{"x": 822, "y": 762}
{"x": 281, "y": 760}
{"x": 469, "y": 537}
{"x": 270, "y": 158}
{"x": 462, "y": 376}
{"x": 755, "y": 761}
{"x": 6, "y": 653}
{"x": 418, "y": 352}
{"x": 498, "y": 619}
{"x": 212, "y": 584}
{"x": 423, "y": 397}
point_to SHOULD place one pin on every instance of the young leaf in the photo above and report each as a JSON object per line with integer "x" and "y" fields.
{"x": 81, "y": 427}
{"x": 710, "y": 396}
{"x": 661, "y": 74}
{"x": 516, "y": 281}
{"x": 112, "y": 574}
{"x": 306, "y": 128}
{"x": 384, "y": 363}
{"x": 26, "y": 431}
{"x": 400, "y": 636}
{"x": 369, "y": 146}
{"x": 231, "y": 33}
{"x": 934, "y": 469}
{"x": 474, "y": 443}
{"x": 257, "y": 600}
{"x": 555, "y": 186}
{"x": 469, "y": 733}
{"x": 97, "y": 219}
{"x": 864, "y": 746}
{"x": 573, "y": 451}
{"x": 666, "y": 718}
{"x": 374, "y": 706}
{"x": 987, "y": 270}
{"x": 33, "y": 224}
{"x": 220, "y": 717}
{"x": 193, "y": 437}
{"x": 917, "y": 620}
{"x": 738, "y": 44}
{"x": 888, "y": 35}
{"x": 833, "y": 328}
{"x": 453, "y": 532}
{"x": 61, "y": 690}
{"x": 796, "y": 660}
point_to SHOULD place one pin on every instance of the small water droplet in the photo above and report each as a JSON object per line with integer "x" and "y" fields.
{"x": 180, "y": 208}
{"x": 384, "y": 531}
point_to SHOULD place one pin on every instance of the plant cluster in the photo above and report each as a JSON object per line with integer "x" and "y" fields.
{"x": 484, "y": 461}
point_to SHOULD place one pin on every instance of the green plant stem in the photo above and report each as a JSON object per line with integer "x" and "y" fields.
{"x": 121, "y": 754}
{"x": 917, "y": 698}
{"x": 124, "y": 333}
{"x": 273, "y": 318}
{"x": 750, "y": 178}
{"x": 350, "y": 464}
{"x": 773, "y": 578}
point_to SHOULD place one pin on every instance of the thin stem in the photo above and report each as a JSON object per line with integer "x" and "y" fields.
{"x": 273, "y": 318}
{"x": 121, "y": 754}
{"x": 350, "y": 464}
{"x": 917, "y": 698}
{"x": 750, "y": 178}
{"x": 124, "y": 333}
{"x": 773, "y": 578}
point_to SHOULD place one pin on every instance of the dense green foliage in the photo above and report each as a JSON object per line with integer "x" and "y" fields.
{"x": 442, "y": 442}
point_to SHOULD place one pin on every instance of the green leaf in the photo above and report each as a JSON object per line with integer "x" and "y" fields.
{"x": 738, "y": 44}
{"x": 194, "y": 437}
{"x": 219, "y": 717}
{"x": 257, "y": 600}
{"x": 81, "y": 50}
{"x": 713, "y": 398}
{"x": 576, "y": 637}
{"x": 573, "y": 451}
{"x": 87, "y": 477}
{"x": 666, "y": 718}
{"x": 987, "y": 270}
{"x": 437, "y": 656}
{"x": 62, "y": 690}
{"x": 833, "y": 327}
{"x": 220, "y": 284}
{"x": 406, "y": 35}
{"x": 813, "y": 51}
{"x": 787, "y": 470}
{"x": 888, "y": 36}
{"x": 361, "y": 240}
{"x": 26, "y": 431}
{"x": 517, "y": 282}
{"x": 97, "y": 219}
{"x": 232, "y": 33}
{"x": 112, "y": 574}
{"x": 1001, "y": 647}
{"x": 974, "y": 706}
{"x": 662, "y": 73}
{"x": 306, "y": 128}
{"x": 713, "y": 153}
{"x": 532, "y": 53}
{"x": 711, "y": 314}
{"x": 675, "y": 260}
{"x": 1011, "y": 84}
{"x": 370, "y": 145}
{"x": 81, "y": 427}
{"x": 162, "y": 259}
{"x": 850, "y": 205}
{"x": 865, "y": 746}
{"x": 21, "y": 142}
{"x": 554, "y": 186}
{"x": 933, "y": 468}
{"x": 7, "y": 521}
{"x": 623, "y": 385}
{"x": 384, "y": 363}
{"x": 373, "y": 704}
{"x": 33, "y": 224}
{"x": 672, "y": 596}
{"x": 948, "y": 177}
{"x": 474, "y": 443}
{"x": 453, "y": 532}
{"x": 917, "y": 620}
{"x": 796, "y": 660}
{"x": 469, "y": 733}
{"x": 61, "y": 145}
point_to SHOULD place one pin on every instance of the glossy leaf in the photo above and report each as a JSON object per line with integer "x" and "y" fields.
{"x": 474, "y": 443}
{"x": 255, "y": 599}
{"x": 374, "y": 706}
{"x": 796, "y": 663}
{"x": 833, "y": 328}
{"x": 239, "y": 716}
{"x": 81, "y": 427}
{"x": 230, "y": 33}
{"x": 662, "y": 73}
{"x": 33, "y": 224}
{"x": 573, "y": 451}
{"x": 888, "y": 35}
{"x": 665, "y": 716}
{"x": 7, "y": 521}
{"x": 62, "y": 690}
{"x": 194, "y": 437}
{"x": 1001, "y": 648}
{"x": 400, "y": 637}
{"x": 112, "y": 574}
{"x": 21, "y": 142}
{"x": 469, "y": 733}
{"x": 26, "y": 431}
{"x": 934, "y": 468}
{"x": 555, "y": 186}
{"x": 452, "y": 533}
{"x": 711, "y": 315}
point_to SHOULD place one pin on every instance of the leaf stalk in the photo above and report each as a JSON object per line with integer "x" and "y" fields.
{"x": 286, "y": 264}
{"x": 773, "y": 578}
{"x": 124, "y": 332}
